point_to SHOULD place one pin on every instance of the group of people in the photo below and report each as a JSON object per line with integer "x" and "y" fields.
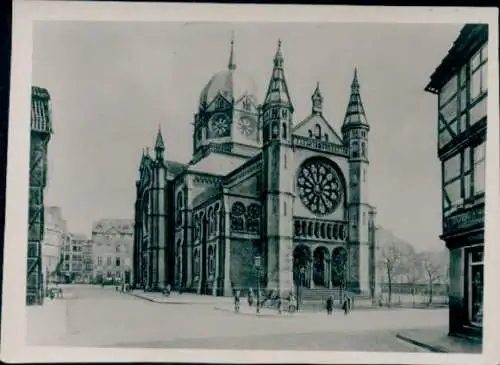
{"x": 346, "y": 305}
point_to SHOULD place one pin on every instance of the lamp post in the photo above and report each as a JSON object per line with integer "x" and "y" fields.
{"x": 257, "y": 266}
{"x": 299, "y": 291}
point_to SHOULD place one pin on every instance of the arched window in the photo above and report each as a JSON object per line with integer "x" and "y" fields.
{"x": 284, "y": 113}
{"x": 216, "y": 217}
{"x": 317, "y": 131}
{"x": 196, "y": 263}
{"x": 326, "y": 137}
{"x": 253, "y": 218}
{"x": 210, "y": 225}
{"x": 284, "y": 131}
{"x": 211, "y": 260}
{"x": 310, "y": 133}
{"x": 238, "y": 217}
{"x": 179, "y": 206}
{"x": 364, "y": 175}
{"x": 355, "y": 149}
{"x": 363, "y": 149}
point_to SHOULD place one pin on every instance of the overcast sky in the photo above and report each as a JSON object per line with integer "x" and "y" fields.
{"x": 113, "y": 83}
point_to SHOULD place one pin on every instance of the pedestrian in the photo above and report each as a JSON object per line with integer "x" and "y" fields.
{"x": 345, "y": 306}
{"x": 329, "y": 305}
{"x": 237, "y": 301}
{"x": 250, "y": 297}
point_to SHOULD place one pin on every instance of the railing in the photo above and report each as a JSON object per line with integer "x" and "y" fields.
{"x": 319, "y": 230}
{"x": 318, "y": 145}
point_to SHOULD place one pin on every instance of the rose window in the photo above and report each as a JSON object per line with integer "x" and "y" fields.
{"x": 319, "y": 186}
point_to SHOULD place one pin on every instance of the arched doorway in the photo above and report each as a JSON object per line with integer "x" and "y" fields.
{"x": 320, "y": 268}
{"x": 301, "y": 265}
{"x": 339, "y": 267}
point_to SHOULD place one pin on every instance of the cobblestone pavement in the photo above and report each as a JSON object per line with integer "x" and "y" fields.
{"x": 101, "y": 317}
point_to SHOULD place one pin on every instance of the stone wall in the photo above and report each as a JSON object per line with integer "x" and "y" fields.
{"x": 242, "y": 271}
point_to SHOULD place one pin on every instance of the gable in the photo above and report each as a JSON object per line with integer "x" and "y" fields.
{"x": 312, "y": 123}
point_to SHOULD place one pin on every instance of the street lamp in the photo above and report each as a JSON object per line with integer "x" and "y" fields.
{"x": 258, "y": 266}
{"x": 299, "y": 291}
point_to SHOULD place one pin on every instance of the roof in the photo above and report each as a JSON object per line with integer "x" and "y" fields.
{"x": 218, "y": 164}
{"x": 175, "y": 168}
{"x": 120, "y": 225}
{"x": 277, "y": 91}
{"x": 469, "y": 41}
{"x": 355, "y": 113}
{"x": 40, "y": 110}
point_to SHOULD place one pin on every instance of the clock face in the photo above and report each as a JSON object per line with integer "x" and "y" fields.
{"x": 247, "y": 126}
{"x": 219, "y": 125}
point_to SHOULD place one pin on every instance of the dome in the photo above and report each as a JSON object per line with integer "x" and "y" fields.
{"x": 232, "y": 84}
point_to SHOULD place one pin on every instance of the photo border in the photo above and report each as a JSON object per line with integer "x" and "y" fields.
{"x": 14, "y": 280}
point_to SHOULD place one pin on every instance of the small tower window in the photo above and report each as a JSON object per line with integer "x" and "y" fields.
{"x": 364, "y": 175}
{"x": 220, "y": 104}
{"x": 317, "y": 130}
{"x": 284, "y": 113}
{"x": 326, "y": 137}
{"x": 284, "y": 132}
{"x": 355, "y": 149}
{"x": 284, "y": 160}
{"x": 284, "y": 208}
{"x": 274, "y": 113}
{"x": 363, "y": 150}
{"x": 310, "y": 133}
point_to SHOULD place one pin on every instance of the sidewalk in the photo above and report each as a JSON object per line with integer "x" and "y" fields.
{"x": 437, "y": 340}
{"x": 176, "y": 298}
{"x": 46, "y": 324}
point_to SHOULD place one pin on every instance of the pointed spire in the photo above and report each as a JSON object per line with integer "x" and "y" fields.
{"x": 355, "y": 113}
{"x": 317, "y": 101}
{"x": 231, "y": 65}
{"x": 277, "y": 91}
{"x": 159, "y": 145}
{"x": 278, "y": 58}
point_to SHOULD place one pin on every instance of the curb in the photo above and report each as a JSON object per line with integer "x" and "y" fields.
{"x": 158, "y": 301}
{"x": 277, "y": 315}
{"x": 426, "y": 346}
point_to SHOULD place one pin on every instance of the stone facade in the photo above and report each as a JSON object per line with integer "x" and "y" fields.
{"x": 461, "y": 83}
{"x": 259, "y": 187}
{"x": 112, "y": 251}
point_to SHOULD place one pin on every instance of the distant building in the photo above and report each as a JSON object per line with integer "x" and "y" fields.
{"x": 73, "y": 259}
{"x": 461, "y": 83}
{"x": 113, "y": 249}
{"x": 53, "y": 241}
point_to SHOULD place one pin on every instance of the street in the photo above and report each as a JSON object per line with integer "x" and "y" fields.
{"x": 102, "y": 317}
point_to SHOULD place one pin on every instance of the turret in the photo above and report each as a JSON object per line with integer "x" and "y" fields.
{"x": 355, "y": 132}
{"x": 277, "y": 108}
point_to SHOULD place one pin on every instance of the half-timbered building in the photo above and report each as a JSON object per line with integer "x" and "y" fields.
{"x": 461, "y": 83}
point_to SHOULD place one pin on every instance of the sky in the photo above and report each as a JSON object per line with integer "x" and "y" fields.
{"x": 113, "y": 84}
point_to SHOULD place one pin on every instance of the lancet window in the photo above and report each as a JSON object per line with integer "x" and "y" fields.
{"x": 253, "y": 218}
{"x": 238, "y": 217}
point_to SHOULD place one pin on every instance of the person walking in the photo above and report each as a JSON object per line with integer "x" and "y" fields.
{"x": 329, "y": 305}
{"x": 345, "y": 306}
{"x": 250, "y": 297}
{"x": 237, "y": 301}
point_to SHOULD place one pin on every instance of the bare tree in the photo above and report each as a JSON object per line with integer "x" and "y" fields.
{"x": 412, "y": 272}
{"x": 434, "y": 271}
{"x": 391, "y": 259}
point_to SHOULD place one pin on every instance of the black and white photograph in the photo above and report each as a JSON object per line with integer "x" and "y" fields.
{"x": 244, "y": 184}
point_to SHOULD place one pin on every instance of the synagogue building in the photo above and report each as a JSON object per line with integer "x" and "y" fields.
{"x": 267, "y": 198}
